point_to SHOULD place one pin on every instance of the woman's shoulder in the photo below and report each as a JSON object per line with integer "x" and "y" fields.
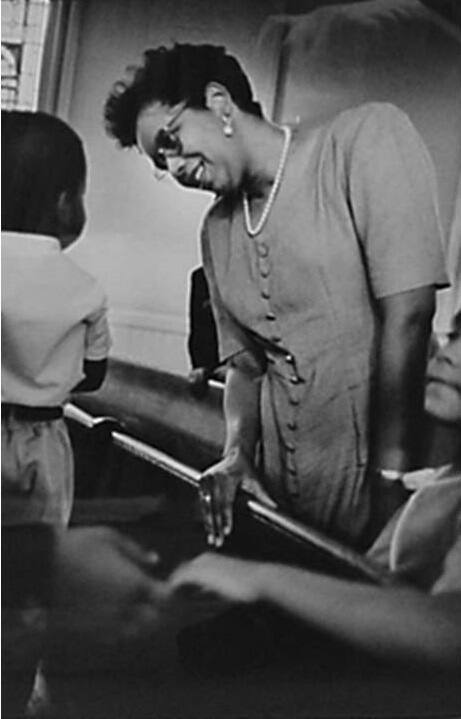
{"x": 374, "y": 124}
{"x": 368, "y": 122}
{"x": 377, "y": 114}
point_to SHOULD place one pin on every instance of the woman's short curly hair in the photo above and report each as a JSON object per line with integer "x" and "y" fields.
{"x": 172, "y": 75}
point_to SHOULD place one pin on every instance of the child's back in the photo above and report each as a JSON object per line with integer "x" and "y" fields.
{"x": 54, "y": 323}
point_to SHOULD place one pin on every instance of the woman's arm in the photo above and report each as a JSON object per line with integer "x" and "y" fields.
{"x": 399, "y": 396}
{"x": 241, "y": 412}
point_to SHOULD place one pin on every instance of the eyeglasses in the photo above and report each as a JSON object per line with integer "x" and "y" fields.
{"x": 166, "y": 144}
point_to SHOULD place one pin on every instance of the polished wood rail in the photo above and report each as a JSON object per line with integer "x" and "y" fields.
{"x": 343, "y": 558}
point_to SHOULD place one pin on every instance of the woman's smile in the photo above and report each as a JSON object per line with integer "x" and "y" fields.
{"x": 194, "y": 176}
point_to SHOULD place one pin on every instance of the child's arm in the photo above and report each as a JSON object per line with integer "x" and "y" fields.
{"x": 95, "y": 372}
{"x": 97, "y": 345}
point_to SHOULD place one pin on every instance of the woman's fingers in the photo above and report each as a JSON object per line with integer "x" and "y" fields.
{"x": 228, "y": 518}
{"x": 216, "y": 494}
{"x": 218, "y": 487}
{"x": 211, "y": 508}
{"x": 218, "y": 508}
{"x": 207, "y": 511}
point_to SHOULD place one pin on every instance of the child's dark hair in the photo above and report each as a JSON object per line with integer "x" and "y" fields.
{"x": 42, "y": 157}
{"x": 172, "y": 75}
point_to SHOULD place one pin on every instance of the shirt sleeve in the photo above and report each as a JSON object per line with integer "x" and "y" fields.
{"x": 392, "y": 195}
{"x": 233, "y": 341}
{"x": 97, "y": 336}
{"x": 450, "y": 578}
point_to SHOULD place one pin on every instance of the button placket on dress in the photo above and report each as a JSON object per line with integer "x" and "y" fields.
{"x": 264, "y": 268}
{"x": 287, "y": 364}
{"x": 290, "y": 433}
{"x": 294, "y": 388}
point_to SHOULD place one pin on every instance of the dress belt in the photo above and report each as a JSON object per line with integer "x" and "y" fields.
{"x": 31, "y": 414}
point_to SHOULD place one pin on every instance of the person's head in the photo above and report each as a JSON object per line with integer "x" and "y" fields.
{"x": 443, "y": 380}
{"x": 43, "y": 176}
{"x": 180, "y": 108}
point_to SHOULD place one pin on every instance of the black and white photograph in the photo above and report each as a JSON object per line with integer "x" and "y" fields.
{"x": 231, "y": 359}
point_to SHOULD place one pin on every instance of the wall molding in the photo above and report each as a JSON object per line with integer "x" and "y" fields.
{"x": 150, "y": 321}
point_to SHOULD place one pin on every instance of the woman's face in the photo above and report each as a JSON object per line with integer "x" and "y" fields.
{"x": 443, "y": 382}
{"x": 191, "y": 146}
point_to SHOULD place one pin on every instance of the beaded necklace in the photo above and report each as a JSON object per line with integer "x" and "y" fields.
{"x": 253, "y": 231}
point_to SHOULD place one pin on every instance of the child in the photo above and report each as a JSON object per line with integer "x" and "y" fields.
{"x": 55, "y": 334}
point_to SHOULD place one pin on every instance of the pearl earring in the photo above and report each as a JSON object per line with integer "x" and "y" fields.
{"x": 228, "y": 129}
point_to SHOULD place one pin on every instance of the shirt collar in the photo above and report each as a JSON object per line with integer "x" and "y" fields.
{"x": 29, "y": 243}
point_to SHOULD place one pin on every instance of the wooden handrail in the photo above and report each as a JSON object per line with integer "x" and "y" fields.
{"x": 261, "y": 513}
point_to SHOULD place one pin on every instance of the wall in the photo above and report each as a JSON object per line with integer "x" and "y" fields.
{"x": 141, "y": 236}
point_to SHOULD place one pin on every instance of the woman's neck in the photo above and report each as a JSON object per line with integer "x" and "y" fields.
{"x": 264, "y": 144}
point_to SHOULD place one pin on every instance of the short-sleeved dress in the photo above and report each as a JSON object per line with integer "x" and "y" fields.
{"x": 355, "y": 219}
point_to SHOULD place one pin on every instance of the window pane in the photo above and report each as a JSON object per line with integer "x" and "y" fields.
{"x": 23, "y": 37}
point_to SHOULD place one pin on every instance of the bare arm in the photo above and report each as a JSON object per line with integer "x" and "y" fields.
{"x": 395, "y": 622}
{"x": 241, "y": 412}
{"x": 399, "y": 399}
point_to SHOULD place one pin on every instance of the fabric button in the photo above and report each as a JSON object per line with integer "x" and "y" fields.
{"x": 292, "y": 425}
{"x": 290, "y": 447}
{"x": 264, "y": 271}
{"x": 265, "y": 294}
{"x": 270, "y": 316}
{"x": 294, "y": 379}
{"x": 294, "y": 401}
{"x": 276, "y": 339}
{"x": 263, "y": 250}
{"x": 290, "y": 359}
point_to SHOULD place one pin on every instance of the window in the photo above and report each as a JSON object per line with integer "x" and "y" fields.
{"x": 24, "y": 25}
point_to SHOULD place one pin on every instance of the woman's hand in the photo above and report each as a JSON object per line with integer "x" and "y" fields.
{"x": 218, "y": 487}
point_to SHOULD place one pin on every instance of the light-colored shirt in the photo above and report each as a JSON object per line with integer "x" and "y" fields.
{"x": 54, "y": 316}
{"x": 422, "y": 542}
{"x": 355, "y": 219}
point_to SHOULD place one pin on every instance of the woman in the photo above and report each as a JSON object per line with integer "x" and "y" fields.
{"x": 322, "y": 252}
